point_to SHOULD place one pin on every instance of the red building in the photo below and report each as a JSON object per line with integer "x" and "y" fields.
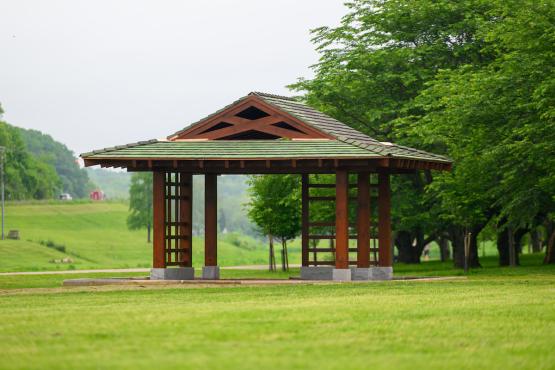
{"x": 96, "y": 195}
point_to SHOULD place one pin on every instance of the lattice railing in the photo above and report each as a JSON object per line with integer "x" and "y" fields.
{"x": 178, "y": 219}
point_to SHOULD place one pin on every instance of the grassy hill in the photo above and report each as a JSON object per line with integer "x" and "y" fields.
{"x": 95, "y": 235}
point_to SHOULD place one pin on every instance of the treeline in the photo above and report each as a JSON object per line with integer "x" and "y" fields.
{"x": 471, "y": 79}
{"x": 38, "y": 167}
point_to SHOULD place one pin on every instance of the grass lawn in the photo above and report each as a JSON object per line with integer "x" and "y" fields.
{"x": 94, "y": 236}
{"x": 499, "y": 318}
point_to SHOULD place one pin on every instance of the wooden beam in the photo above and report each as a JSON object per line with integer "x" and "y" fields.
{"x": 384, "y": 220}
{"x": 363, "y": 220}
{"x": 304, "y": 219}
{"x": 210, "y": 220}
{"x": 186, "y": 217}
{"x": 158, "y": 215}
{"x": 341, "y": 219}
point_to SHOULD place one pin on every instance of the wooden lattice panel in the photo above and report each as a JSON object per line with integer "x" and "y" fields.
{"x": 178, "y": 219}
{"x": 314, "y": 232}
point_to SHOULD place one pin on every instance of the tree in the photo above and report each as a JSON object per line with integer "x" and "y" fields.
{"x": 497, "y": 121}
{"x": 375, "y": 64}
{"x": 26, "y": 176}
{"x": 472, "y": 79}
{"x": 275, "y": 208}
{"x": 140, "y": 203}
{"x": 75, "y": 180}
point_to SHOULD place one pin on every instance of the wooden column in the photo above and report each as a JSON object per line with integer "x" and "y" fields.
{"x": 210, "y": 220}
{"x": 341, "y": 219}
{"x": 158, "y": 215}
{"x": 186, "y": 217}
{"x": 384, "y": 220}
{"x": 363, "y": 220}
{"x": 304, "y": 220}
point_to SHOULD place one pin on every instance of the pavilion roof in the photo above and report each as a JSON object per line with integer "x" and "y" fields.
{"x": 338, "y": 140}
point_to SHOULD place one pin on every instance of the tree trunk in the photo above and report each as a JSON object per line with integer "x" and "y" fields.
{"x": 284, "y": 256}
{"x": 407, "y": 253}
{"x": 444, "y": 253}
{"x": 148, "y": 233}
{"x": 503, "y": 245}
{"x": 535, "y": 241}
{"x": 457, "y": 240}
{"x": 550, "y": 249}
{"x": 272, "y": 258}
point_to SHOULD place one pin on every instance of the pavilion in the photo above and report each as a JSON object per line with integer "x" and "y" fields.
{"x": 269, "y": 134}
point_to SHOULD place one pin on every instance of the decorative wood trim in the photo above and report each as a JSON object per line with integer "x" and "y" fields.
{"x": 264, "y": 124}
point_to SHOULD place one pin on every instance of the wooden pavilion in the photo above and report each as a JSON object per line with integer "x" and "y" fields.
{"x": 268, "y": 134}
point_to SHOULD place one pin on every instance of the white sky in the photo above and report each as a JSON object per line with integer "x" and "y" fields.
{"x": 100, "y": 73}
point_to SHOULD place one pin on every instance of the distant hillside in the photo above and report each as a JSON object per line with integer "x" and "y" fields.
{"x": 26, "y": 175}
{"x": 74, "y": 180}
{"x": 114, "y": 184}
{"x": 95, "y": 235}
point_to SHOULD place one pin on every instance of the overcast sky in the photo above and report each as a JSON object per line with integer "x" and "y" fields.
{"x": 99, "y": 73}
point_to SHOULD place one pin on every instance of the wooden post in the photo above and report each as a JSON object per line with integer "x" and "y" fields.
{"x": 363, "y": 220}
{"x": 210, "y": 220}
{"x": 158, "y": 215}
{"x": 304, "y": 220}
{"x": 341, "y": 219}
{"x": 384, "y": 220}
{"x": 186, "y": 217}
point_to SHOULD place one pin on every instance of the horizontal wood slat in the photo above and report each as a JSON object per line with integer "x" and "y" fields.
{"x": 174, "y": 237}
{"x": 173, "y": 250}
{"x": 333, "y": 249}
{"x": 332, "y": 263}
{"x": 328, "y": 237}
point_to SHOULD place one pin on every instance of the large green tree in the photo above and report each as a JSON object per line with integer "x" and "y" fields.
{"x": 140, "y": 203}
{"x": 472, "y": 79}
{"x": 275, "y": 208}
{"x": 372, "y": 68}
{"x": 497, "y": 121}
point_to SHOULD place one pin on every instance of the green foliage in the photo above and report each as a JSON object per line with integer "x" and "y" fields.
{"x": 473, "y": 79}
{"x": 26, "y": 177}
{"x": 275, "y": 205}
{"x": 44, "y": 148}
{"x": 140, "y": 201}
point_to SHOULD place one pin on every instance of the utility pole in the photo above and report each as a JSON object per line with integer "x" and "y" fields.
{"x": 2, "y": 152}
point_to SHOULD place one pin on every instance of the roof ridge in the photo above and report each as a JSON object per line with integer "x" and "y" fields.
{"x": 275, "y": 96}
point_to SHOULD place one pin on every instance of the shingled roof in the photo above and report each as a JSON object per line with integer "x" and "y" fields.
{"x": 341, "y": 141}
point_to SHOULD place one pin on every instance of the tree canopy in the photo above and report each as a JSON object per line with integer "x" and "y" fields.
{"x": 472, "y": 79}
{"x": 140, "y": 202}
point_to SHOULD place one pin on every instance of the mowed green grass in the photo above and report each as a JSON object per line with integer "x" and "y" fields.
{"x": 499, "y": 318}
{"x": 94, "y": 236}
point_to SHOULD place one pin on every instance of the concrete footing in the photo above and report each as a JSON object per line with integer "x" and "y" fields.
{"x": 211, "y": 272}
{"x": 361, "y": 273}
{"x": 382, "y": 273}
{"x": 354, "y": 273}
{"x": 176, "y": 273}
{"x": 341, "y": 275}
{"x": 316, "y": 272}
